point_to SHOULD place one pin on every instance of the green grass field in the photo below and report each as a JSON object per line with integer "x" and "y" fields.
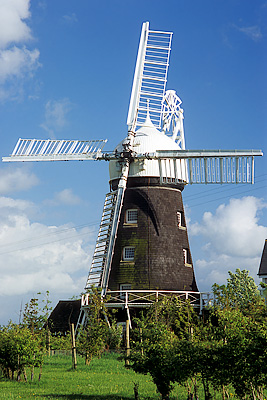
{"x": 104, "y": 378}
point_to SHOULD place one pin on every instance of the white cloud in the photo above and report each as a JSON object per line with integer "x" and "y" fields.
{"x": 253, "y": 32}
{"x": 66, "y": 197}
{"x": 70, "y": 18}
{"x": 13, "y": 28}
{"x": 16, "y": 179}
{"x": 36, "y": 257}
{"x": 232, "y": 238}
{"x": 55, "y": 115}
{"x": 17, "y": 62}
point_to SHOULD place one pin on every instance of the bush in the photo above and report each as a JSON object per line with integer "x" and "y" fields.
{"x": 19, "y": 349}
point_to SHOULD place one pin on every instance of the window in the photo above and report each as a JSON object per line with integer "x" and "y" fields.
{"x": 187, "y": 257}
{"x": 180, "y": 219}
{"x": 131, "y": 216}
{"x": 123, "y": 288}
{"x": 128, "y": 253}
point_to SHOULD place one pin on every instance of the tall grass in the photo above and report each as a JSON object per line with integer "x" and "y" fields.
{"x": 105, "y": 378}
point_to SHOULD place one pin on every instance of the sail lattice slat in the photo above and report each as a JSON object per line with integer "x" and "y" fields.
{"x": 52, "y": 149}
{"x": 150, "y": 77}
{"x": 208, "y": 167}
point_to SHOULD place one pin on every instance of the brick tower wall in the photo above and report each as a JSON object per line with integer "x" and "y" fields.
{"x": 159, "y": 242}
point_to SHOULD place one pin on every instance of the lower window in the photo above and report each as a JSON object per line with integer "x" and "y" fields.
{"x": 128, "y": 253}
{"x": 123, "y": 288}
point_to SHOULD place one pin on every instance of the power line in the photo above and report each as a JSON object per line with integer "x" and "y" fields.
{"x": 42, "y": 244}
{"x": 218, "y": 187}
{"x": 60, "y": 231}
{"x": 224, "y": 197}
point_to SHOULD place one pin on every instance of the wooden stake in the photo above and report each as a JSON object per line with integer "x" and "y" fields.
{"x": 74, "y": 357}
{"x": 48, "y": 342}
{"x": 127, "y": 340}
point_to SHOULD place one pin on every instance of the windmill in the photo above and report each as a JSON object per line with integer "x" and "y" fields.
{"x": 142, "y": 245}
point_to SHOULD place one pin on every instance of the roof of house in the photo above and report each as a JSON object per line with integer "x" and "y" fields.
{"x": 65, "y": 313}
{"x": 263, "y": 263}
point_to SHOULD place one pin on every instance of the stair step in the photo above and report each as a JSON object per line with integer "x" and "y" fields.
{"x": 102, "y": 242}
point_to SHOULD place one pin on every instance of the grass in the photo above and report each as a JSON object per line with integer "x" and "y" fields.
{"x": 105, "y": 378}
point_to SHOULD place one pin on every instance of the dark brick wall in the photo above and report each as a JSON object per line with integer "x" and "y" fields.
{"x": 158, "y": 241}
{"x": 65, "y": 313}
{"x": 263, "y": 263}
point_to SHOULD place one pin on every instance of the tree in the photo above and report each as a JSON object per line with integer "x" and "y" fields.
{"x": 91, "y": 341}
{"x": 241, "y": 291}
{"x": 35, "y": 318}
{"x": 226, "y": 349}
{"x": 153, "y": 352}
{"x": 162, "y": 344}
{"x": 240, "y": 327}
{"x": 19, "y": 349}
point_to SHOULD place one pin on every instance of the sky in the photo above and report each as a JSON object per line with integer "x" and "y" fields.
{"x": 66, "y": 71}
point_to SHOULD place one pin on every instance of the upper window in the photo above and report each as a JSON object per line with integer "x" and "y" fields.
{"x": 128, "y": 253}
{"x": 131, "y": 216}
{"x": 187, "y": 257}
{"x": 180, "y": 219}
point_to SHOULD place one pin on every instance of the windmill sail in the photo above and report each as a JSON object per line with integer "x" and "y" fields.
{"x": 52, "y": 150}
{"x": 206, "y": 166}
{"x": 150, "y": 77}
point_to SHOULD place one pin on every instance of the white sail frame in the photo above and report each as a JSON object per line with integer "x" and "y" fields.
{"x": 150, "y": 77}
{"x": 52, "y": 150}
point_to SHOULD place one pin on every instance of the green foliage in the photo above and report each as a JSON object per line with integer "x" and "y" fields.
{"x": 60, "y": 342}
{"x": 162, "y": 344}
{"x": 241, "y": 352}
{"x": 241, "y": 291}
{"x": 22, "y": 346}
{"x": 153, "y": 353}
{"x": 19, "y": 349}
{"x": 91, "y": 341}
{"x": 35, "y": 315}
{"x": 239, "y": 330}
{"x": 227, "y": 349}
{"x": 114, "y": 336}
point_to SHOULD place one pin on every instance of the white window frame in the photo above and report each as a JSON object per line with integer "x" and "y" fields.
{"x": 126, "y": 251}
{"x": 130, "y": 212}
{"x": 185, "y": 252}
{"x": 179, "y": 218}
{"x": 187, "y": 258}
{"x": 124, "y": 287}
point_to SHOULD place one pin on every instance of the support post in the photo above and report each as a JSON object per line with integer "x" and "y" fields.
{"x": 127, "y": 341}
{"x": 48, "y": 342}
{"x": 74, "y": 357}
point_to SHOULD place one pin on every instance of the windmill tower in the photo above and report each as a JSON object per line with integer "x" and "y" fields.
{"x": 142, "y": 247}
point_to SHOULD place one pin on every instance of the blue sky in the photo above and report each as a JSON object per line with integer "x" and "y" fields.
{"x": 66, "y": 71}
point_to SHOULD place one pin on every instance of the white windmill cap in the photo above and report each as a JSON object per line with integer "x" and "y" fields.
{"x": 148, "y": 139}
